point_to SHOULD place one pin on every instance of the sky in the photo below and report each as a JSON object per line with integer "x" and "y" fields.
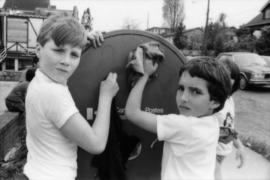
{"x": 111, "y": 14}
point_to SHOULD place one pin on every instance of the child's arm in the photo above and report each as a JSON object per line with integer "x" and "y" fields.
{"x": 133, "y": 110}
{"x": 240, "y": 153}
{"x": 93, "y": 139}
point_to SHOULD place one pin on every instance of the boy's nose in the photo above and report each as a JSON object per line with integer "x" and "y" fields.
{"x": 65, "y": 61}
{"x": 185, "y": 96}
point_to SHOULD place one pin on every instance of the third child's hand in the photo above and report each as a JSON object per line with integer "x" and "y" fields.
{"x": 95, "y": 38}
{"x": 109, "y": 86}
{"x": 149, "y": 67}
{"x": 240, "y": 154}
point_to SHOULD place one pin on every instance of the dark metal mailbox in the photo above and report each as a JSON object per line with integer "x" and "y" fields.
{"x": 158, "y": 97}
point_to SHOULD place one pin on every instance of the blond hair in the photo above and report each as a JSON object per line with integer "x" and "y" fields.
{"x": 62, "y": 29}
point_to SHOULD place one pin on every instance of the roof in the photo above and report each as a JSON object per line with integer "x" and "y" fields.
{"x": 265, "y": 6}
{"x": 25, "y": 4}
{"x": 21, "y": 15}
{"x": 257, "y": 21}
{"x": 193, "y": 29}
{"x": 155, "y": 27}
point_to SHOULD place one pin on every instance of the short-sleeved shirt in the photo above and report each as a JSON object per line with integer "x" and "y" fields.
{"x": 51, "y": 155}
{"x": 190, "y": 143}
{"x": 226, "y": 118}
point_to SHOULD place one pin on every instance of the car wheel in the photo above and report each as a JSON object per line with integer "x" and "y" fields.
{"x": 243, "y": 83}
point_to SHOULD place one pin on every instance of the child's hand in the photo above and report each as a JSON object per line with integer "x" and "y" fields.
{"x": 240, "y": 154}
{"x": 149, "y": 67}
{"x": 95, "y": 38}
{"x": 109, "y": 86}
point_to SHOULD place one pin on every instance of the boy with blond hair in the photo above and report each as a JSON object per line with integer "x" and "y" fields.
{"x": 54, "y": 125}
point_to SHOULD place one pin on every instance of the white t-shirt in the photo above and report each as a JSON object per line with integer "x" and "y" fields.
{"x": 189, "y": 150}
{"x": 226, "y": 118}
{"x": 51, "y": 155}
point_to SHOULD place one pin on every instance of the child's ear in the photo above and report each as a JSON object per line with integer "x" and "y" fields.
{"x": 214, "y": 104}
{"x": 38, "y": 47}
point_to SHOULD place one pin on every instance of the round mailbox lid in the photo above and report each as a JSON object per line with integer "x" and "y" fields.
{"x": 96, "y": 63}
{"x": 158, "y": 97}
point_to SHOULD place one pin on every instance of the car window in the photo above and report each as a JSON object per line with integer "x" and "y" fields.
{"x": 267, "y": 59}
{"x": 249, "y": 59}
{"x": 223, "y": 57}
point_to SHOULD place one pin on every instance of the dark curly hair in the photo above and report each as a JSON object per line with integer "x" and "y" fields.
{"x": 234, "y": 72}
{"x": 216, "y": 75}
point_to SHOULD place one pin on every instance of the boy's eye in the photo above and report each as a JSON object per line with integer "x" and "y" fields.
{"x": 195, "y": 91}
{"x": 75, "y": 55}
{"x": 59, "y": 50}
{"x": 180, "y": 88}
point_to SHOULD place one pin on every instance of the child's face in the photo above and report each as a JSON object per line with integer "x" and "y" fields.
{"x": 58, "y": 62}
{"x": 192, "y": 96}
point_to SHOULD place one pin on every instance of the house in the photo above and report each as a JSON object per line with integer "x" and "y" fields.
{"x": 28, "y": 5}
{"x": 18, "y": 33}
{"x": 165, "y": 32}
{"x": 159, "y": 30}
{"x": 261, "y": 20}
{"x": 194, "y": 34}
{"x": 194, "y": 37}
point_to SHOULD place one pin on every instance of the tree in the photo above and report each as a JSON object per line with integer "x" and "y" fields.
{"x": 221, "y": 20}
{"x": 246, "y": 41}
{"x": 262, "y": 45}
{"x": 243, "y": 31}
{"x": 179, "y": 40}
{"x": 218, "y": 45}
{"x": 87, "y": 20}
{"x": 75, "y": 13}
{"x": 173, "y": 13}
{"x": 216, "y": 37}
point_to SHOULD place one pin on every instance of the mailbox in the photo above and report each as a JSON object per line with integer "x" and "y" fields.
{"x": 158, "y": 97}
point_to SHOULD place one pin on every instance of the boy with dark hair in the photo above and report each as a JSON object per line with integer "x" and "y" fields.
{"x": 190, "y": 137}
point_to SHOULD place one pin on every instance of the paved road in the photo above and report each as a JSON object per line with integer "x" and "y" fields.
{"x": 256, "y": 167}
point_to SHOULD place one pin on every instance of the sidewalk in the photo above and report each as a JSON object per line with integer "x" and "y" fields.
{"x": 256, "y": 167}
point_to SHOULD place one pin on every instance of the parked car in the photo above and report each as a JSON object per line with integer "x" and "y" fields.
{"x": 199, "y": 57}
{"x": 254, "y": 69}
{"x": 267, "y": 59}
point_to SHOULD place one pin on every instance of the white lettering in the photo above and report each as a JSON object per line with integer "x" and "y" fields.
{"x": 154, "y": 110}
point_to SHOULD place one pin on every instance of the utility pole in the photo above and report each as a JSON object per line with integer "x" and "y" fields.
{"x": 205, "y": 36}
{"x": 147, "y": 21}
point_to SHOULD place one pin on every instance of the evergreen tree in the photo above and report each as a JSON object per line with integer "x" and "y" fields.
{"x": 262, "y": 45}
{"x": 179, "y": 40}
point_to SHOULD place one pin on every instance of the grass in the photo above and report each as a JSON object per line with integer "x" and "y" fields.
{"x": 257, "y": 145}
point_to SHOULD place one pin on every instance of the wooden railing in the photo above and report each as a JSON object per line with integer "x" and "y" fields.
{"x": 3, "y": 54}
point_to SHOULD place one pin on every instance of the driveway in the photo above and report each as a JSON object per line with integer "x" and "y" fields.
{"x": 256, "y": 167}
